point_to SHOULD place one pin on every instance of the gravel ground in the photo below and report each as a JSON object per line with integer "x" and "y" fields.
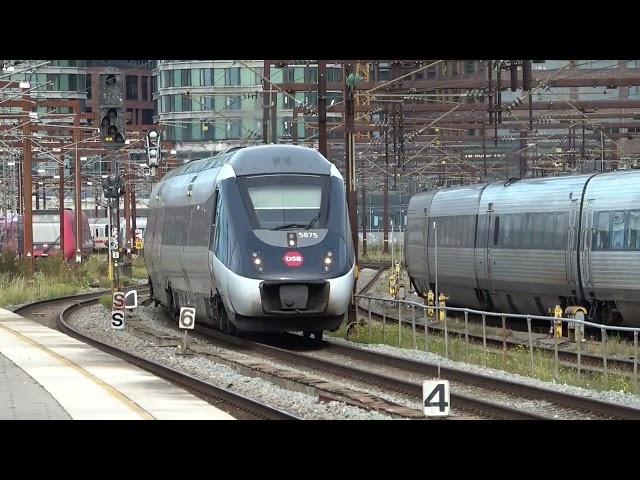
{"x": 95, "y": 322}
{"x": 610, "y": 396}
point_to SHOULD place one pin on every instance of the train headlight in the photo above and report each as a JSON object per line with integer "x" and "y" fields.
{"x": 257, "y": 261}
{"x": 326, "y": 265}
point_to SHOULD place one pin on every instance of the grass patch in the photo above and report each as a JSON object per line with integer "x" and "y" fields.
{"x": 53, "y": 277}
{"x": 139, "y": 269}
{"x": 516, "y": 360}
{"x": 106, "y": 301}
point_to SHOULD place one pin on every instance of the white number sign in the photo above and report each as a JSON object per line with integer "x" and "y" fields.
{"x": 187, "y": 317}
{"x": 117, "y": 319}
{"x": 435, "y": 398}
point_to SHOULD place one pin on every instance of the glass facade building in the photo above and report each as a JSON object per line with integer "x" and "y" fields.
{"x": 209, "y": 105}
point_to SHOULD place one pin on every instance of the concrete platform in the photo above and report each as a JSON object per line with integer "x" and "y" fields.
{"x": 45, "y": 374}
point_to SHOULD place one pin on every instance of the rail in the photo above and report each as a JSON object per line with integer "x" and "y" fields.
{"x": 572, "y": 323}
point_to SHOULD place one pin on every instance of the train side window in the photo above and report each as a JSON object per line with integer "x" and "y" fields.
{"x": 215, "y": 208}
{"x": 561, "y": 230}
{"x": 601, "y": 231}
{"x": 516, "y": 236}
{"x": 526, "y": 230}
{"x": 506, "y": 231}
{"x": 215, "y": 229}
{"x": 618, "y": 230}
{"x": 496, "y": 230}
{"x": 633, "y": 233}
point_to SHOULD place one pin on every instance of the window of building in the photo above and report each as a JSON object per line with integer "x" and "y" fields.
{"x": 147, "y": 116}
{"x": 62, "y": 82}
{"x": 259, "y": 73}
{"x": 132, "y": 87}
{"x": 63, "y": 63}
{"x": 432, "y": 72}
{"x": 311, "y": 75}
{"x": 186, "y": 77}
{"x": 469, "y": 67}
{"x": 168, "y": 79}
{"x": 232, "y": 76}
{"x": 209, "y": 77}
{"x": 419, "y": 75}
{"x": 596, "y": 64}
{"x": 334, "y": 75}
{"x": 234, "y": 129}
{"x": 186, "y": 103}
{"x": 88, "y": 86}
{"x": 233, "y": 102}
{"x": 144, "y": 88}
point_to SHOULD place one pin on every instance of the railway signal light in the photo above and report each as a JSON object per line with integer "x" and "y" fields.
{"x": 113, "y": 186}
{"x": 154, "y": 150}
{"x": 111, "y": 111}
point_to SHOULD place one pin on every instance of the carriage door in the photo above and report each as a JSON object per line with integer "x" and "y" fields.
{"x": 586, "y": 240}
{"x": 483, "y": 251}
{"x": 571, "y": 257}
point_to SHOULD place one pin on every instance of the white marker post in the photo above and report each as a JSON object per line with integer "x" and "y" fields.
{"x": 187, "y": 321}
{"x": 117, "y": 310}
{"x": 435, "y": 398}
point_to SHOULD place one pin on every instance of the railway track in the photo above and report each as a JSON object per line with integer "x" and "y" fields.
{"x": 567, "y": 351}
{"x": 47, "y": 312}
{"x": 569, "y": 358}
{"x": 591, "y": 406}
{"x": 309, "y": 355}
{"x": 237, "y": 405}
{"x": 310, "y": 364}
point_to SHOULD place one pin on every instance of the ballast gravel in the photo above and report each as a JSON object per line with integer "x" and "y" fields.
{"x": 621, "y": 398}
{"x": 95, "y": 322}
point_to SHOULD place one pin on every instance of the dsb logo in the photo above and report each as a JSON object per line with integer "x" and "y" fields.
{"x": 293, "y": 259}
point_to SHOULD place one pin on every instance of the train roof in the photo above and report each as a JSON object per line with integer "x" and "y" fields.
{"x": 261, "y": 159}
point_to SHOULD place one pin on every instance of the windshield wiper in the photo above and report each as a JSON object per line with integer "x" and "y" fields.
{"x": 289, "y": 225}
{"x": 314, "y": 220}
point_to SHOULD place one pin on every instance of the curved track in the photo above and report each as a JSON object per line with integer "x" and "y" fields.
{"x": 236, "y": 405}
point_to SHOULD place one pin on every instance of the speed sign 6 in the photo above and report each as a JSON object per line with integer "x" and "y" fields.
{"x": 187, "y": 317}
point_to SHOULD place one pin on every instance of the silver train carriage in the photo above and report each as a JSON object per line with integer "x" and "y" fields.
{"x": 256, "y": 238}
{"x": 523, "y": 246}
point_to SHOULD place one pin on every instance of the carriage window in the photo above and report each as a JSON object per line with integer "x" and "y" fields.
{"x": 617, "y": 237}
{"x": 516, "y": 236}
{"x": 561, "y": 230}
{"x": 507, "y": 231}
{"x": 526, "y": 230}
{"x": 633, "y": 233}
{"x": 601, "y": 231}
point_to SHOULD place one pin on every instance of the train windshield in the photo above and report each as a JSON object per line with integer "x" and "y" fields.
{"x": 282, "y": 202}
{"x": 46, "y": 233}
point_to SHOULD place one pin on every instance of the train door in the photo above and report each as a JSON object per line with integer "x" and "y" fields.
{"x": 586, "y": 241}
{"x": 488, "y": 224}
{"x": 571, "y": 253}
{"x": 158, "y": 227}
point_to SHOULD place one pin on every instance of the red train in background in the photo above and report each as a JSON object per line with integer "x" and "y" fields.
{"x": 46, "y": 234}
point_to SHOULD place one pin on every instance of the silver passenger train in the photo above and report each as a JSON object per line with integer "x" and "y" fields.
{"x": 523, "y": 246}
{"x": 256, "y": 238}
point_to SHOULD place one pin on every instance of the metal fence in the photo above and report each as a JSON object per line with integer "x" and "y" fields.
{"x": 576, "y": 324}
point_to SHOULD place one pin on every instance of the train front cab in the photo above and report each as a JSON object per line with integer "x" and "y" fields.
{"x": 292, "y": 268}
